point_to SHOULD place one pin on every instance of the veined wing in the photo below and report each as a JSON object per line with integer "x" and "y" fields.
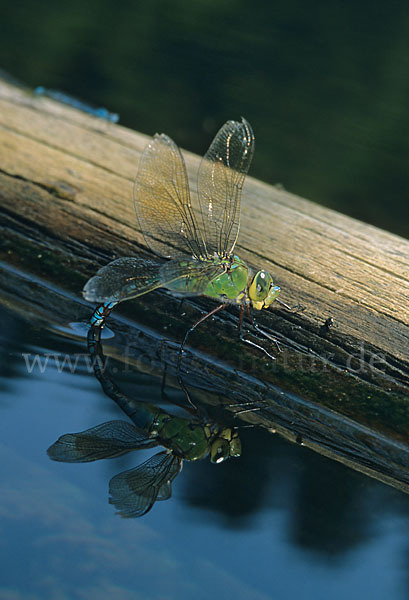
{"x": 134, "y": 492}
{"x": 127, "y": 278}
{"x": 165, "y": 491}
{"x": 123, "y": 279}
{"x": 188, "y": 276}
{"x": 220, "y": 181}
{"x": 162, "y": 201}
{"x": 107, "y": 440}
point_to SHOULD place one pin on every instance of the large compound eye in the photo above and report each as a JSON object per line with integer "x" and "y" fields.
{"x": 235, "y": 446}
{"x": 219, "y": 451}
{"x": 272, "y": 295}
{"x": 260, "y": 286}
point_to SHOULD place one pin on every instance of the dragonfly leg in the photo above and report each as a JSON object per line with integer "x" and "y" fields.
{"x": 241, "y": 315}
{"x": 250, "y": 316}
{"x": 260, "y": 331}
{"x": 188, "y": 332}
{"x": 182, "y": 301}
{"x": 250, "y": 343}
{"x": 192, "y": 409}
{"x": 265, "y": 334}
{"x": 296, "y": 308}
{"x": 243, "y": 411}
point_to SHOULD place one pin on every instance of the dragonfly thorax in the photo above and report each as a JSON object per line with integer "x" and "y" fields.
{"x": 237, "y": 284}
{"x": 262, "y": 291}
{"x": 230, "y": 284}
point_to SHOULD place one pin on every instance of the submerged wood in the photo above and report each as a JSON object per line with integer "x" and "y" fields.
{"x": 66, "y": 209}
{"x": 375, "y": 451}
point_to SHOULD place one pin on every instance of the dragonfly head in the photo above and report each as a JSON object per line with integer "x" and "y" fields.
{"x": 262, "y": 291}
{"x": 226, "y": 445}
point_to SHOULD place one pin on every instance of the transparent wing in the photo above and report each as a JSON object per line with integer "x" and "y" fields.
{"x": 220, "y": 181}
{"x": 188, "y": 276}
{"x": 162, "y": 201}
{"x": 107, "y": 440}
{"x": 134, "y": 492}
{"x": 127, "y": 278}
{"x": 165, "y": 491}
{"x": 123, "y": 279}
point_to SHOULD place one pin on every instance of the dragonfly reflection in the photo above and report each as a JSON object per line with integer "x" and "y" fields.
{"x": 135, "y": 491}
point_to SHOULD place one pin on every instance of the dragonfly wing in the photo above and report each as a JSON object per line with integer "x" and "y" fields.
{"x": 188, "y": 276}
{"x": 165, "y": 492}
{"x": 220, "y": 181}
{"x": 123, "y": 279}
{"x": 162, "y": 200}
{"x": 134, "y": 492}
{"x": 107, "y": 440}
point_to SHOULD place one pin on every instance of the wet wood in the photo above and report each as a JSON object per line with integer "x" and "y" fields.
{"x": 221, "y": 390}
{"x": 66, "y": 203}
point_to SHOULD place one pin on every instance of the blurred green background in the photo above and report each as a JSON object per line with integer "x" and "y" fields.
{"x": 324, "y": 84}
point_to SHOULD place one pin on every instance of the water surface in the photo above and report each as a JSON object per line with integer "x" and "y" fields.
{"x": 280, "y": 522}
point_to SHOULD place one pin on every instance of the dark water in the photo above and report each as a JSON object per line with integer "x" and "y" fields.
{"x": 280, "y": 522}
{"x": 324, "y": 85}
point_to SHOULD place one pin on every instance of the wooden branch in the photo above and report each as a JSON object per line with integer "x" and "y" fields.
{"x": 66, "y": 202}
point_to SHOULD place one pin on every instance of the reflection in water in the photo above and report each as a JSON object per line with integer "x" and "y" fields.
{"x": 279, "y": 518}
{"x": 135, "y": 491}
{"x": 334, "y": 521}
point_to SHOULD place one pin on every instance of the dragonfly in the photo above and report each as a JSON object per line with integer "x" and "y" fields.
{"x": 134, "y": 492}
{"x": 99, "y": 113}
{"x": 196, "y": 233}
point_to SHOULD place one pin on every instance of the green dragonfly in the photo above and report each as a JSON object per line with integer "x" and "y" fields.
{"x": 135, "y": 491}
{"x": 197, "y": 233}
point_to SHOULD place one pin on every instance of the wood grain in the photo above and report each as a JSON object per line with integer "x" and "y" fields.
{"x": 66, "y": 204}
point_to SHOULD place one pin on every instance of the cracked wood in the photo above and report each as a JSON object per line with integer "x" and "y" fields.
{"x": 66, "y": 189}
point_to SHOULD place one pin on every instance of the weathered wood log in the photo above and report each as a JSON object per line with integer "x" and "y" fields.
{"x": 66, "y": 209}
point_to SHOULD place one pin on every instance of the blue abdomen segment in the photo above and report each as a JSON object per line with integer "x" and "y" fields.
{"x": 101, "y": 313}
